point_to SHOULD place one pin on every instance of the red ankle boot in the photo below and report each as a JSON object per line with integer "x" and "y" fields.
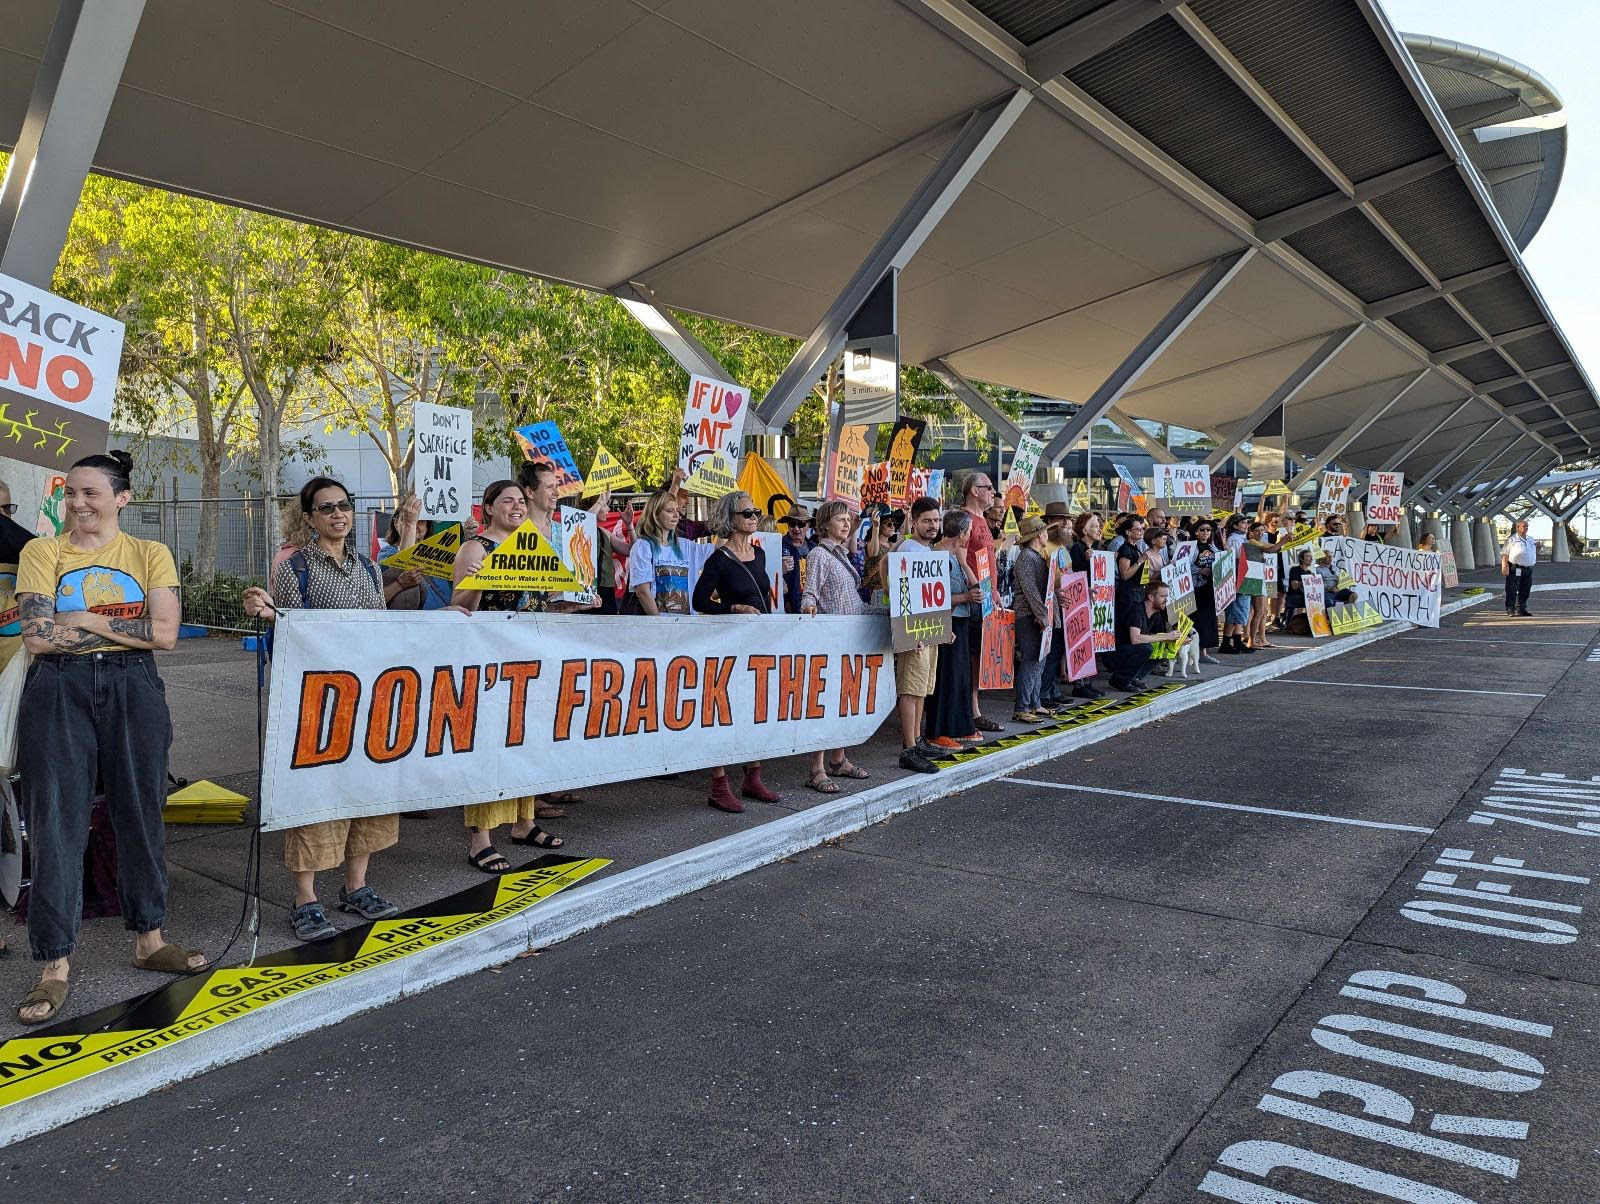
{"x": 721, "y": 797}
{"x": 754, "y": 787}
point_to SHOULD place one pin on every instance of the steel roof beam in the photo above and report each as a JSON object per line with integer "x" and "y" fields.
{"x": 1354, "y": 431}
{"x": 1495, "y": 343}
{"x": 1505, "y": 382}
{"x": 1451, "y": 457}
{"x": 1059, "y": 52}
{"x": 1154, "y": 448}
{"x": 688, "y": 352}
{"x": 965, "y": 156}
{"x": 1473, "y": 473}
{"x": 1387, "y": 307}
{"x": 1297, "y": 380}
{"x": 1514, "y": 490}
{"x": 1289, "y": 222}
{"x": 1484, "y": 498}
{"x": 975, "y": 401}
{"x": 1176, "y": 320}
{"x": 1415, "y": 443}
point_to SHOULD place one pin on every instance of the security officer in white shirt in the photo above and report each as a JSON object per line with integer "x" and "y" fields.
{"x": 1517, "y": 559}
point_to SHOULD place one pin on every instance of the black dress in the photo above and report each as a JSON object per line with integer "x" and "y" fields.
{"x": 726, "y": 582}
{"x": 1205, "y": 597}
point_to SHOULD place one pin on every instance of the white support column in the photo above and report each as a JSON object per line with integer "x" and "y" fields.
{"x": 1205, "y": 290}
{"x": 1302, "y": 376}
{"x": 1559, "y": 551}
{"x": 1400, "y": 533}
{"x": 1461, "y": 541}
{"x": 1431, "y": 526}
{"x": 1483, "y": 542}
{"x": 984, "y": 131}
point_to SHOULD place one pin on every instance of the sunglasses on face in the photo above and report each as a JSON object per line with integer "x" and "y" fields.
{"x": 748, "y": 512}
{"x": 9, "y": 509}
{"x": 328, "y": 508}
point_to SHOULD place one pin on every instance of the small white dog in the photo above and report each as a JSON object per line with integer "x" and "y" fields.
{"x": 1188, "y": 657}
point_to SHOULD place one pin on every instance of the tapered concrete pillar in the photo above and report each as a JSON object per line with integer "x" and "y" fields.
{"x": 1483, "y": 543}
{"x": 1430, "y": 526}
{"x": 1461, "y": 541}
{"x": 1399, "y": 535}
{"x": 1559, "y": 552}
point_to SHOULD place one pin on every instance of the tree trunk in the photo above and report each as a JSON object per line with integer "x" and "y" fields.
{"x": 203, "y": 566}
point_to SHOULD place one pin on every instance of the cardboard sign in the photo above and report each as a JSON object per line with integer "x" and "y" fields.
{"x": 1077, "y": 625}
{"x": 1383, "y": 497}
{"x": 1024, "y": 465}
{"x": 918, "y": 584}
{"x": 1335, "y": 494}
{"x": 875, "y": 486}
{"x": 1183, "y": 488}
{"x": 1129, "y": 494}
{"x": 434, "y": 556}
{"x": 903, "y": 446}
{"x": 999, "y": 651}
{"x": 1397, "y": 583}
{"x": 58, "y": 376}
{"x": 543, "y": 441}
{"x": 1452, "y": 575}
{"x": 1103, "y": 599}
{"x": 1224, "y": 488}
{"x": 918, "y": 484}
{"x": 52, "y": 506}
{"x": 580, "y": 553}
{"x": 1316, "y": 605}
{"x": 607, "y": 474}
{"x": 525, "y": 561}
{"x": 1179, "y": 577}
{"x": 771, "y": 545}
{"x": 713, "y": 420}
{"x": 849, "y": 466}
{"x": 1187, "y": 549}
{"x": 715, "y": 477}
{"x": 1225, "y": 579}
{"x": 986, "y": 582}
{"x": 441, "y": 466}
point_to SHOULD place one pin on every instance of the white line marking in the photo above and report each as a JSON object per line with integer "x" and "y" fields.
{"x": 1367, "y": 685}
{"x": 1444, "y": 639}
{"x": 1200, "y": 802}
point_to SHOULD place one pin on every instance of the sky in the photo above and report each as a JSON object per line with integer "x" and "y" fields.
{"x": 1558, "y": 39}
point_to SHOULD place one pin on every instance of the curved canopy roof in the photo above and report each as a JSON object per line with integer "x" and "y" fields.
{"x": 1509, "y": 120}
{"x": 740, "y": 160}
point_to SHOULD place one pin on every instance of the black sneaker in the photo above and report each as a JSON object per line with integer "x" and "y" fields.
{"x": 367, "y": 903}
{"x": 1127, "y": 687}
{"x": 916, "y": 761}
{"x": 310, "y": 923}
{"x": 1084, "y": 690}
{"x": 1524, "y": 614}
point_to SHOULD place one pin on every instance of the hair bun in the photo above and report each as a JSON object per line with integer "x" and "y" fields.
{"x": 122, "y": 458}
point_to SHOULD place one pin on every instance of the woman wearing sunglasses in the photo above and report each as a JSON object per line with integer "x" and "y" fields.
{"x": 735, "y": 581}
{"x": 328, "y": 575}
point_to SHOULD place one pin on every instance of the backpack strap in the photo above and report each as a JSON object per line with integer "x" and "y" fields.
{"x": 301, "y": 568}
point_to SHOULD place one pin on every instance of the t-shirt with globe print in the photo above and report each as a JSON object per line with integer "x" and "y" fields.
{"x": 113, "y": 581}
{"x": 13, "y": 536}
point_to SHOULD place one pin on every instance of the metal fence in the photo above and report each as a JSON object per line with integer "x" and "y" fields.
{"x": 243, "y": 547}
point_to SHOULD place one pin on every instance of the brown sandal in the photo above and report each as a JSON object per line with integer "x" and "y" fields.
{"x": 53, "y": 991}
{"x": 846, "y": 769}
{"x": 544, "y": 810}
{"x": 821, "y": 784}
{"x": 171, "y": 959}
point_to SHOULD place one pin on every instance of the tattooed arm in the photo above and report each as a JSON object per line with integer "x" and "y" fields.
{"x": 41, "y": 634}
{"x": 158, "y": 629}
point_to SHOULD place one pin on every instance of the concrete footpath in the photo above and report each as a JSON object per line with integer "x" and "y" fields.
{"x": 1326, "y": 939}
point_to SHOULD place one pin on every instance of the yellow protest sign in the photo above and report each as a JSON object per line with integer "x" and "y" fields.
{"x": 1011, "y": 522}
{"x": 607, "y": 474}
{"x": 526, "y": 560}
{"x": 767, "y": 491}
{"x": 435, "y": 556}
{"x": 714, "y": 477}
{"x": 1034, "y": 510}
{"x": 1370, "y": 616}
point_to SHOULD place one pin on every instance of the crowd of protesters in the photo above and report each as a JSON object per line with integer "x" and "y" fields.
{"x": 95, "y": 678}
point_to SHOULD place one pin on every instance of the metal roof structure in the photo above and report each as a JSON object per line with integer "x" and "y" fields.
{"x": 1190, "y": 212}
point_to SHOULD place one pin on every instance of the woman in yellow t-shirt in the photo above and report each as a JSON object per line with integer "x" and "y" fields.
{"x": 94, "y": 604}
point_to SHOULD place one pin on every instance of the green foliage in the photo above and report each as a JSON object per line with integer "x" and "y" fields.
{"x": 214, "y": 599}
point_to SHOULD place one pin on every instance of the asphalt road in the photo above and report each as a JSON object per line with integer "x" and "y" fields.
{"x": 1329, "y": 939}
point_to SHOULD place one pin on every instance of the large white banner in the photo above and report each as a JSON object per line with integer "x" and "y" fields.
{"x": 1400, "y": 583}
{"x": 373, "y": 712}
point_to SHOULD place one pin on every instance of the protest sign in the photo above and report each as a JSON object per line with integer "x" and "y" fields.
{"x": 1316, "y": 605}
{"x": 849, "y": 465}
{"x": 1183, "y": 488}
{"x": 1187, "y": 549}
{"x": 1103, "y": 598}
{"x": 1077, "y": 625}
{"x": 771, "y": 545}
{"x": 52, "y": 506}
{"x": 875, "y": 486}
{"x": 1024, "y": 464}
{"x": 1179, "y": 577}
{"x": 1128, "y": 490}
{"x": 714, "y": 476}
{"x": 580, "y": 541}
{"x": 903, "y": 445}
{"x": 918, "y": 583}
{"x": 999, "y": 651}
{"x": 441, "y": 444}
{"x": 713, "y": 418}
{"x": 607, "y": 474}
{"x": 1057, "y": 563}
{"x": 543, "y": 441}
{"x": 918, "y": 484}
{"x": 1225, "y": 579}
{"x": 1447, "y": 564}
{"x": 1335, "y": 494}
{"x": 526, "y": 560}
{"x": 1399, "y": 583}
{"x": 58, "y": 376}
{"x": 1224, "y": 492}
{"x": 987, "y": 577}
{"x": 435, "y": 556}
{"x": 373, "y": 712}
{"x": 1383, "y": 497}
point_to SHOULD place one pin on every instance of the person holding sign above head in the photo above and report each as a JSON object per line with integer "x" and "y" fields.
{"x": 1517, "y": 558}
{"x": 833, "y": 587}
{"x": 1135, "y": 635}
{"x": 93, "y": 718}
{"x": 504, "y": 509}
{"x": 326, "y": 575}
{"x": 734, "y": 581}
